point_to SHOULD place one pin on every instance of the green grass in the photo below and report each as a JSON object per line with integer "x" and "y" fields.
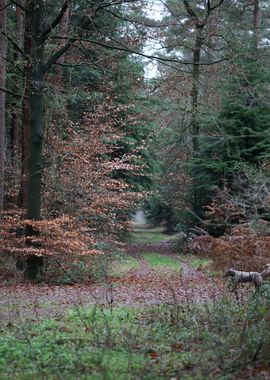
{"x": 188, "y": 341}
{"x": 157, "y": 260}
{"x": 149, "y": 235}
{"x": 197, "y": 262}
{"x": 122, "y": 266}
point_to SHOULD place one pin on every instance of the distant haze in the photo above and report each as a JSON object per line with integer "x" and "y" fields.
{"x": 139, "y": 218}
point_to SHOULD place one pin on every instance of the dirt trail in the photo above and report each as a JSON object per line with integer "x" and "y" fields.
{"x": 139, "y": 287}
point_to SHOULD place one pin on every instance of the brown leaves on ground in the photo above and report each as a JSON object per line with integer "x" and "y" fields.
{"x": 139, "y": 287}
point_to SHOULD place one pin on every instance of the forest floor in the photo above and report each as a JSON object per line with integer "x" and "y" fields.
{"x": 150, "y": 272}
{"x": 156, "y": 314}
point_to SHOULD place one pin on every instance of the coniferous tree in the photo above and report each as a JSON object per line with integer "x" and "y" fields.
{"x": 238, "y": 141}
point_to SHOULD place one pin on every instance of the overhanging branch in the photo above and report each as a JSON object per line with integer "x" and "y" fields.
{"x": 149, "y": 56}
{"x": 55, "y": 56}
{"x": 11, "y": 92}
{"x": 57, "y": 19}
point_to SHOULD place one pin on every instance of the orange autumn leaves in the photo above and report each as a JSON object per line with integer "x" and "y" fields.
{"x": 84, "y": 199}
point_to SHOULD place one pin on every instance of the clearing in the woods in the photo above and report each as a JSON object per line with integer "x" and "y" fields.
{"x": 150, "y": 271}
{"x": 159, "y": 315}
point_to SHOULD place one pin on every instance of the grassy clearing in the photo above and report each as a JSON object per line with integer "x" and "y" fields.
{"x": 149, "y": 235}
{"x": 159, "y": 261}
{"x": 221, "y": 341}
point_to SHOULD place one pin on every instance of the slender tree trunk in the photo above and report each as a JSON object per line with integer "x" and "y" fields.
{"x": 16, "y": 107}
{"x": 195, "y": 127}
{"x": 256, "y": 21}
{"x": 3, "y": 51}
{"x": 199, "y": 24}
{"x": 23, "y": 196}
{"x": 63, "y": 31}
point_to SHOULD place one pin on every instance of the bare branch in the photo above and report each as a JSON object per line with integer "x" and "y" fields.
{"x": 57, "y": 19}
{"x": 216, "y": 6}
{"x": 13, "y": 42}
{"x": 190, "y": 11}
{"x": 18, "y": 4}
{"x": 55, "y": 56}
{"x": 11, "y": 92}
{"x": 149, "y": 56}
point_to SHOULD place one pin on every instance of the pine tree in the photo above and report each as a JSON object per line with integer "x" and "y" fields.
{"x": 238, "y": 141}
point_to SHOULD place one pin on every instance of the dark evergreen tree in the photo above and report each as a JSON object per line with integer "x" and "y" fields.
{"x": 238, "y": 139}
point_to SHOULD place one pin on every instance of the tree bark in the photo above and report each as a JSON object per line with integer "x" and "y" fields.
{"x": 33, "y": 123}
{"x": 256, "y": 21}
{"x": 16, "y": 107}
{"x": 195, "y": 127}
{"x": 199, "y": 24}
{"x": 3, "y": 52}
{"x": 63, "y": 31}
{"x": 36, "y": 33}
{"x": 36, "y": 67}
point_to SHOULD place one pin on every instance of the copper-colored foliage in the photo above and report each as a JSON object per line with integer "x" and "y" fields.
{"x": 244, "y": 249}
{"x": 84, "y": 201}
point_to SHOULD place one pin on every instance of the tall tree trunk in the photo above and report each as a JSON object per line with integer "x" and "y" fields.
{"x": 34, "y": 124}
{"x": 199, "y": 24}
{"x": 63, "y": 31}
{"x": 3, "y": 52}
{"x": 256, "y": 21}
{"x": 16, "y": 107}
{"x": 195, "y": 127}
{"x": 36, "y": 68}
{"x": 36, "y": 33}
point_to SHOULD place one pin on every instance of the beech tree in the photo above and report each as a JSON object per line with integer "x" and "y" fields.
{"x": 60, "y": 41}
{"x": 39, "y": 29}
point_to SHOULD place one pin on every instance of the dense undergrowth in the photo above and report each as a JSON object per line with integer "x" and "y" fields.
{"x": 223, "y": 340}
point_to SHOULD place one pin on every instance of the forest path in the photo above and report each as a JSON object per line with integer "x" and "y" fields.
{"x": 151, "y": 272}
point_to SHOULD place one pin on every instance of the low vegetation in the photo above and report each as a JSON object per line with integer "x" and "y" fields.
{"x": 223, "y": 340}
{"x": 149, "y": 235}
{"x": 158, "y": 261}
{"x": 178, "y": 338}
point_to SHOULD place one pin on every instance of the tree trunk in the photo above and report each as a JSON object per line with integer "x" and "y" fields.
{"x": 16, "y": 106}
{"x": 63, "y": 31}
{"x": 3, "y": 51}
{"x": 34, "y": 124}
{"x": 256, "y": 21}
{"x": 199, "y": 24}
{"x": 23, "y": 196}
{"x": 36, "y": 33}
{"x": 195, "y": 127}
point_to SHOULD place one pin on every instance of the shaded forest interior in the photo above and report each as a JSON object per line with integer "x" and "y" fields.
{"x": 108, "y": 108}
